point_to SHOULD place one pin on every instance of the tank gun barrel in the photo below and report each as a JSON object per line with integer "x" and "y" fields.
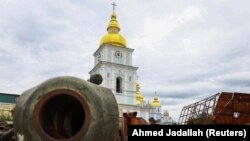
{"x": 66, "y": 109}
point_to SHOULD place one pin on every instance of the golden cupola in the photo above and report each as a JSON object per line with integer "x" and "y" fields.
{"x": 138, "y": 95}
{"x": 156, "y": 102}
{"x": 113, "y": 37}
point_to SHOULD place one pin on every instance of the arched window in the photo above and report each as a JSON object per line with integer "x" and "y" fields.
{"x": 119, "y": 85}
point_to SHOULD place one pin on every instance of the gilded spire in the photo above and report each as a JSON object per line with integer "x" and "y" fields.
{"x": 113, "y": 37}
{"x": 113, "y": 26}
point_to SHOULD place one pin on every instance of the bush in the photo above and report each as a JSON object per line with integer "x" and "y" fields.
{"x": 5, "y": 117}
{"x": 203, "y": 118}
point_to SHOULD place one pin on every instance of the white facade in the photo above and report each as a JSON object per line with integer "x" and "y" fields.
{"x": 155, "y": 112}
{"x": 114, "y": 64}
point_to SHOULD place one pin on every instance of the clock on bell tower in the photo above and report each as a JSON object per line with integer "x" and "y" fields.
{"x": 113, "y": 61}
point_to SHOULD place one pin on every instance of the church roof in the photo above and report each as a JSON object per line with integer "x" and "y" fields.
{"x": 156, "y": 102}
{"x": 113, "y": 37}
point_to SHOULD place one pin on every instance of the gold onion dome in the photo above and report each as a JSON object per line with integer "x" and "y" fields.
{"x": 156, "y": 102}
{"x": 138, "y": 95}
{"x": 138, "y": 98}
{"x": 113, "y": 37}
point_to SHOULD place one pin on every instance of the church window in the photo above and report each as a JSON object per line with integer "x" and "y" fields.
{"x": 129, "y": 78}
{"x": 118, "y": 84}
{"x": 108, "y": 75}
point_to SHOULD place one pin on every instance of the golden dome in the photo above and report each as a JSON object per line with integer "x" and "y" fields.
{"x": 138, "y": 95}
{"x": 138, "y": 98}
{"x": 113, "y": 37}
{"x": 156, "y": 102}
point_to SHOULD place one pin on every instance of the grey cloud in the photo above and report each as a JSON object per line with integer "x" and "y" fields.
{"x": 185, "y": 51}
{"x": 239, "y": 79}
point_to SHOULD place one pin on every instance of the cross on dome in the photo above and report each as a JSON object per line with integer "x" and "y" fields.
{"x": 114, "y": 5}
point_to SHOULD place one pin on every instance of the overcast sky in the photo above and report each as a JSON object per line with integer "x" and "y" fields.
{"x": 186, "y": 50}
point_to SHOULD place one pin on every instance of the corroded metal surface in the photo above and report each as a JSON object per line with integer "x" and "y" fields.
{"x": 232, "y": 108}
{"x": 192, "y": 111}
{"x": 223, "y": 108}
{"x": 129, "y": 119}
{"x": 62, "y": 114}
{"x": 66, "y": 109}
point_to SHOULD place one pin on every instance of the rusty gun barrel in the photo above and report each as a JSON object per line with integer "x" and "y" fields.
{"x": 66, "y": 109}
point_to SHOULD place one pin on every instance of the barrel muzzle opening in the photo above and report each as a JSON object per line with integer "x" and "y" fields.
{"x": 62, "y": 115}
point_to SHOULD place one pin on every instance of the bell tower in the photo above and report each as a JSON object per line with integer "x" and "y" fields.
{"x": 113, "y": 61}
